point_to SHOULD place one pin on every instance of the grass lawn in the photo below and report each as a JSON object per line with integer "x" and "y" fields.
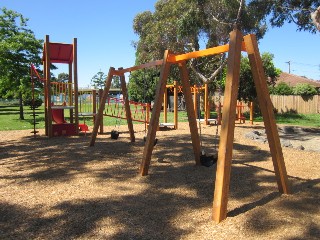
{"x": 9, "y": 118}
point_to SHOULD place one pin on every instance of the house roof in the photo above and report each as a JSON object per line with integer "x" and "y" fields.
{"x": 292, "y": 80}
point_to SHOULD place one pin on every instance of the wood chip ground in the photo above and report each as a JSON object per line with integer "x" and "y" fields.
{"x": 61, "y": 188}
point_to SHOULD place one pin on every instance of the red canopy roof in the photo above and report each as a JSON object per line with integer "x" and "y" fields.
{"x": 60, "y": 53}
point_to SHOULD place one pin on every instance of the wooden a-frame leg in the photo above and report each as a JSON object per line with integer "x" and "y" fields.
{"x": 190, "y": 111}
{"x": 127, "y": 107}
{"x": 267, "y": 113}
{"x": 154, "y": 121}
{"x": 222, "y": 181}
{"x": 101, "y": 106}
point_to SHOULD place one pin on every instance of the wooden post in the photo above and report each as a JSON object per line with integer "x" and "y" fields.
{"x": 75, "y": 82}
{"x": 154, "y": 122}
{"x": 100, "y": 92}
{"x": 206, "y": 104}
{"x": 94, "y": 104}
{"x": 175, "y": 104}
{"x": 48, "y": 86}
{"x": 165, "y": 105}
{"x": 45, "y": 96}
{"x": 147, "y": 114}
{"x": 267, "y": 113}
{"x": 195, "y": 100}
{"x": 219, "y": 113}
{"x": 222, "y": 182}
{"x": 190, "y": 111}
{"x": 251, "y": 112}
{"x": 69, "y": 89}
{"x": 127, "y": 106}
{"x": 101, "y": 106}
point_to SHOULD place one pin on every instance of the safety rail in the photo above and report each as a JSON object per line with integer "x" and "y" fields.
{"x": 140, "y": 112}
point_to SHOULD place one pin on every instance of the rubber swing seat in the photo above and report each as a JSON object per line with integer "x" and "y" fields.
{"x": 208, "y": 161}
{"x": 114, "y": 134}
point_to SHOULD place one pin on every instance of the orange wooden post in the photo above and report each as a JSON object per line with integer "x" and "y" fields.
{"x": 154, "y": 122}
{"x": 219, "y": 113}
{"x": 175, "y": 104}
{"x": 251, "y": 112}
{"x": 195, "y": 100}
{"x": 222, "y": 182}
{"x": 101, "y": 106}
{"x": 100, "y": 92}
{"x": 267, "y": 113}
{"x": 147, "y": 114}
{"x": 48, "y": 86}
{"x": 190, "y": 111}
{"x": 206, "y": 104}
{"x": 127, "y": 106}
{"x": 94, "y": 104}
{"x": 165, "y": 105}
{"x": 75, "y": 85}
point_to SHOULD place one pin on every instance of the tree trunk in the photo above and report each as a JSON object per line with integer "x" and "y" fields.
{"x": 21, "y": 106}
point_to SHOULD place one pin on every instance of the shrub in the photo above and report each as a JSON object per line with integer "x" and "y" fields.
{"x": 37, "y": 102}
{"x": 304, "y": 89}
{"x": 281, "y": 89}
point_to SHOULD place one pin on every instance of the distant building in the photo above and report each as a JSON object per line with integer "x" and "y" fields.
{"x": 292, "y": 80}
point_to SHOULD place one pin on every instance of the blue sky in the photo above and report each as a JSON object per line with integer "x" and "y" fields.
{"x": 105, "y": 35}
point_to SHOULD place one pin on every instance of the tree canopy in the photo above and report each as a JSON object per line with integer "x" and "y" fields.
{"x": 188, "y": 25}
{"x": 18, "y": 48}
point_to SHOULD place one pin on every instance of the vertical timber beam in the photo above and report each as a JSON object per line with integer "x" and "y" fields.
{"x": 127, "y": 106}
{"x": 175, "y": 104}
{"x": 75, "y": 82}
{"x": 100, "y": 93}
{"x": 222, "y": 181}
{"x": 48, "y": 86}
{"x": 190, "y": 111}
{"x": 206, "y": 104}
{"x": 154, "y": 121}
{"x": 165, "y": 105}
{"x": 267, "y": 113}
{"x": 101, "y": 106}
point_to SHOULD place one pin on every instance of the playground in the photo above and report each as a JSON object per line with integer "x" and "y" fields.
{"x": 60, "y": 188}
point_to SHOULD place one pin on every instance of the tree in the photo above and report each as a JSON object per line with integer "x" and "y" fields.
{"x": 281, "y": 89}
{"x": 304, "y": 89}
{"x": 63, "y": 77}
{"x": 115, "y": 82}
{"x": 98, "y": 80}
{"x": 18, "y": 48}
{"x": 247, "y": 90}
{"x": 142, "y": 89}
{"x": 186, "y": 25}
{"x": 304, "y": 13}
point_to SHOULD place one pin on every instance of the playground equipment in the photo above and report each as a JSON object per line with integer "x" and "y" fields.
{"x": 237, "y": 44}
{"x": 59, "y": 97}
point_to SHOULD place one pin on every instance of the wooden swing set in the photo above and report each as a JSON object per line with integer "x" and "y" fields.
{"x": 237, "y": 44}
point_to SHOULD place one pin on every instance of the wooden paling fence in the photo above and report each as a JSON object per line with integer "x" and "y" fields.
{"x": 285, "y": 104}
{"x": 296, "y": 104}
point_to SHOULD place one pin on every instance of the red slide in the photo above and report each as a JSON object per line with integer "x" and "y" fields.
{"x": 58, "y": 116}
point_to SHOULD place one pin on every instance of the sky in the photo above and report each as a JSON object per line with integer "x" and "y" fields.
{"x": 104, "y": 34}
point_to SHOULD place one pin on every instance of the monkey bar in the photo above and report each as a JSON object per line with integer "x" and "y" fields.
{"x": 237, "y": 44}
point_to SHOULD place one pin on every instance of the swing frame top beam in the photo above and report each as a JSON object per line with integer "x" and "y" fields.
{"x": 176, "y": 58}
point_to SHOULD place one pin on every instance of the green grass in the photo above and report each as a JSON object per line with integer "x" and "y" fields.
{"x": 310, "y": 120}
{"x": 9, "y": 118}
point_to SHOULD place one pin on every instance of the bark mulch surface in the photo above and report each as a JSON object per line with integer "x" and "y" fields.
{"x": 61, "y": 188}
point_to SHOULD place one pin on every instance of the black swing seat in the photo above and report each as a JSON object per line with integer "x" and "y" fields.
{"x": 208, "y": 161}
{"x": 114, "y": 134}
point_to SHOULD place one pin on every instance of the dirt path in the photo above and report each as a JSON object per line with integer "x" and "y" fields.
{"x": 62, "y": 189}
